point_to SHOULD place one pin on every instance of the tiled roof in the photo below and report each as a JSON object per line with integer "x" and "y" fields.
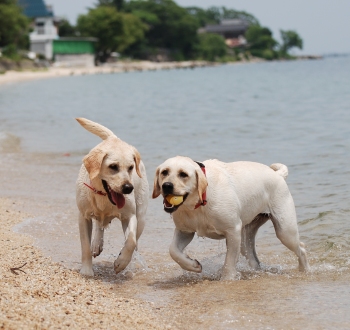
{"x": 228, "y": 26}
{"x": 34, "y": 8}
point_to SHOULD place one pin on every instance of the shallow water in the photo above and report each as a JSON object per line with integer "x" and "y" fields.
{"x": 296, "y": 113}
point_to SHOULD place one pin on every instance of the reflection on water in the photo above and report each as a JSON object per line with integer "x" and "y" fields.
{"x": 296, "y": 113}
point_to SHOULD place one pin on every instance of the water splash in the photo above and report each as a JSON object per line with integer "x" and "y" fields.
{"x": 9, "y": 142}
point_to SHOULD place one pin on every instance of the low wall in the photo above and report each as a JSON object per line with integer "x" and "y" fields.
{"x": 7, "y": 64}
{"x": 74, "y": 61}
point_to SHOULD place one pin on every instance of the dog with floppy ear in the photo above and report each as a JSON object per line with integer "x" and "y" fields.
{"x": 112, "y": 183}
{"x": 227, "y": 201}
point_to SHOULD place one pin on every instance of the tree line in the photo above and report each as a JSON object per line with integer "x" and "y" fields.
{"x": 144, "y": 28}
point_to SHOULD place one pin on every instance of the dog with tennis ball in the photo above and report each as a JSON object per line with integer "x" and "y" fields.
{"x": 227, "y": 201}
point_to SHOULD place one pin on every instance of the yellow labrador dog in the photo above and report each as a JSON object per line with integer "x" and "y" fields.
{"x": 227, "y": 201}
{"x": 112, "y": 183}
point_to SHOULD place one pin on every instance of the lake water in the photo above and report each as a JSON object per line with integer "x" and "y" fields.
{"x": 296, "y": 113}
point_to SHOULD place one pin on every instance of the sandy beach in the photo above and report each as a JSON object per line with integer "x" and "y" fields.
{"x": 16, "y": 76}
{"x": 38, "y": 294}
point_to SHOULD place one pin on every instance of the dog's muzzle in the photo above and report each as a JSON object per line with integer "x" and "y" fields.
{"x": 127, "y": 188}
{"x": 116, "y": 198}
{"x": 168, "y": 188}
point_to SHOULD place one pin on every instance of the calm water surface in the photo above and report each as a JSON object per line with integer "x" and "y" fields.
{"x": 296, "y": 113}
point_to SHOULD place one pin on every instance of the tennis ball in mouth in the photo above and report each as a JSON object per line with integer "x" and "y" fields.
{"x": 174, "y": 200}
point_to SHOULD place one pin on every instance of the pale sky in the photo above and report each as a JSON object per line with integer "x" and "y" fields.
{"x": 324, "y": 25}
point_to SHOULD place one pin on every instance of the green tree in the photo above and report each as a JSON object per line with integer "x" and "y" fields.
{"x": 115, "y": 31}
{"x": 214, "y": 15}
{"x": 260, "y": 42}
{"x": 14, "y": 26}
{"x": 211, "y": 47}
{"x": 201, "y": 15}
{"x": 290, "y": 39}
{"x": 170, "y": 26}
{"x": 65, "y": 29}
{"x": 236, "y": 14}
{"x": 119, "y": 4}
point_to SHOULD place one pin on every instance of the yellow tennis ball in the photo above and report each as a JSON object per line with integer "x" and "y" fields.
{"x": 174, "y": 200}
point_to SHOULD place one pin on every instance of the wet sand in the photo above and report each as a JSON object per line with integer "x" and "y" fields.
{"x": 153, "y": 293}
{"x": 49, "y": 295}
{"x": 42, "y": 294}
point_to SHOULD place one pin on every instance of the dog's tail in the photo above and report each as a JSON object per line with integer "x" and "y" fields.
{"x": 281, "y": 169}
{"x": 97, "y": 129}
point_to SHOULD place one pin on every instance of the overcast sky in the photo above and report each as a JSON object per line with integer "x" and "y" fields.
{"x": 324, "y": 25}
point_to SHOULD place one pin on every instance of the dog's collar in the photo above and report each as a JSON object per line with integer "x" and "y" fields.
{"x": 98, "y": 192}
{"x": 204, "y": 195}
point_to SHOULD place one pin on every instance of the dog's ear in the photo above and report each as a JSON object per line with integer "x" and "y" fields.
{"x": 202, "y": 183}
{"x": 156, "y": 186}
{"x": 137, "y": 159}
{"x": 93, "y": 161}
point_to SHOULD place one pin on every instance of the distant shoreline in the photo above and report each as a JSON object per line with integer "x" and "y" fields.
{"x": 119, "y": 67}
{"x": 12, "y": 76}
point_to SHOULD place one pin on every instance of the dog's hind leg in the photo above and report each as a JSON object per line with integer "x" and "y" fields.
{"x": 180, "y": 241}
{"x": 284, "y": 219}
{"x": 248, "y": 240}
{"x": 97, "y": 241}
{"x": 85, "y": 229}
{"x": 233, "y": 242}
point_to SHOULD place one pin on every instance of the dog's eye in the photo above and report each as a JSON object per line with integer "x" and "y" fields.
{"x": 183, "y": 175}
{"x": 131, "y": 168}
{"x": 165, "y": 173}
{"x": 114, "y": 167}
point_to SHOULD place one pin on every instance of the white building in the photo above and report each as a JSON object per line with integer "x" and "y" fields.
{"x": 44, "y": 29}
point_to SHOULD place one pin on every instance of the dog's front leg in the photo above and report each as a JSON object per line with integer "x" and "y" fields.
{"x": 233, "y": 243}
{"x": 97, "y": 241}
{"x": 125, "y": 255}
{"x": 85, "y": 229}
{"x": 180, "y": 241}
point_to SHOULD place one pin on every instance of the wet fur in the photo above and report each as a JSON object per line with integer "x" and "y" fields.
{"x": 96, "y": 211}
{"x": 241, "y": 197}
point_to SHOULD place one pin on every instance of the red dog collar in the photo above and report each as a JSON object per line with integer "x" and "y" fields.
{"x": 204, "y": 195}
{"x": 98, "y": 192}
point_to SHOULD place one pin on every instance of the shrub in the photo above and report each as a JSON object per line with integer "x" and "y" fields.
{"x": 211, "y": 47}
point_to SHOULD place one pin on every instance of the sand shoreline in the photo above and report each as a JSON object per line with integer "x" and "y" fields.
{"x": 119, "y": 67}
{"x": 50, "y": 296}
{"x": 43, "y": 294}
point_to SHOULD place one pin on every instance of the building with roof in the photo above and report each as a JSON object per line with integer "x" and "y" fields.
{"x": 233, "y": 30}
{"x": 45, "y": 41}
{"x": 74, "y": 52}
{"x": 35, "y": 8}
{"x": 44, "y": 27}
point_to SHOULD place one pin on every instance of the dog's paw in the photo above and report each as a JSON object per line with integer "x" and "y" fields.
{"x": 190, "y": 264}
{"x": 230, "y": 276}
{"x": 86, "y": 271}
{"x": 121, "y": 262}
{"x": 197, "y": 266}
{"x": 96, "y": 247}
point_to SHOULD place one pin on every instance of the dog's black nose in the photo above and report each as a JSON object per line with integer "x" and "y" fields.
{"x": 127, "y": 188}
{"x": 168, "y": 188}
